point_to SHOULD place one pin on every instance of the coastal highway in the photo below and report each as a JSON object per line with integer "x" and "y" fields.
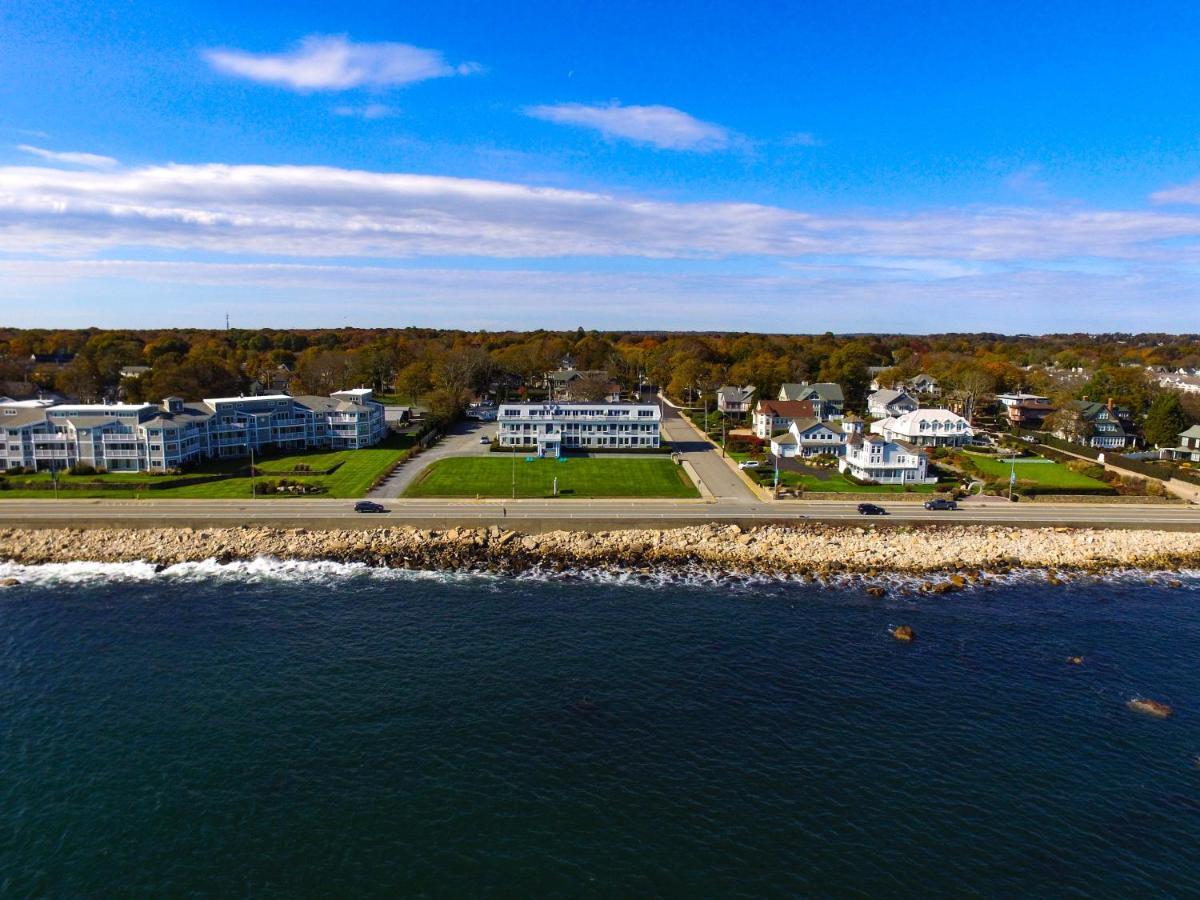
{"x": 544, "y": 515}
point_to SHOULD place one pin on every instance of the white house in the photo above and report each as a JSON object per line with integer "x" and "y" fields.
{"x": 926, "y": 428}
{"x": 886, "y": 402}
{"x": 550, "y": 428}
{"x": 773, "y": 416}
{"x": 1189, "y": 445}
{"x": 870, "y": 457}
{"x": 809, "y": 437}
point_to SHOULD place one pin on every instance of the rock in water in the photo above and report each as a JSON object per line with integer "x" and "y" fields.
{"x": 876, "y": 591}
{"x": 1155, "y": 708}
{"x": 904, "y": 633}
{"x": 9, "y": 582}
{"x": 1075, "y": 660}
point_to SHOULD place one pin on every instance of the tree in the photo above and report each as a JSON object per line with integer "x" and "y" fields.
{"x": 1069, "y": 422}
{"x": 972, "y": 384}
{"x": 593, "y": 387}
{"x": 1165, "y": 420}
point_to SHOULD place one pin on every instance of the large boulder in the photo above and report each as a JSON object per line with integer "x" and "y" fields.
{"x": 904, "y": 633}
{"x": 1155, "y": 708}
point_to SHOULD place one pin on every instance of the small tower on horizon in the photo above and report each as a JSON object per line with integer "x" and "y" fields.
{"x": 226, "y": 321}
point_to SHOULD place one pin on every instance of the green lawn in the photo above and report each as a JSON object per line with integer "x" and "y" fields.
{"x": 1034, "y": 471}
{"x": 489, "y": 476}
{"x": 357, "y": 470}
{"x": 836, "y": 483}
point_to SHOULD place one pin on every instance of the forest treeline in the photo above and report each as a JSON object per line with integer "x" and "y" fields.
{"x": 443, "y": 368}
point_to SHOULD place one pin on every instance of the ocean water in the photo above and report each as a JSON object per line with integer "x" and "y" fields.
{"x": 274, "y": 729}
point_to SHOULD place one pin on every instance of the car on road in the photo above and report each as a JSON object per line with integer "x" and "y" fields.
{"x": 749, "y": 464}
{"x": 941, "y": 503}
{"x": 484, "y": 439}
{"x": 870, "y": 509}
{"x": 369, "y": 506}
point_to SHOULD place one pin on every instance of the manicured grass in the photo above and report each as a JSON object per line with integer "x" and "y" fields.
{"x": 489, "y": 476}
{"x": 1039, "y": 472}
{"x": 836, "y": 483}
{"x": 352, "y": 478}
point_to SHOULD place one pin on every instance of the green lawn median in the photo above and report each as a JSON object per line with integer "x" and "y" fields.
{"x": 585, "y": 477}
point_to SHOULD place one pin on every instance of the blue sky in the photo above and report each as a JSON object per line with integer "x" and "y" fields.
{"x": 792, "y": 167}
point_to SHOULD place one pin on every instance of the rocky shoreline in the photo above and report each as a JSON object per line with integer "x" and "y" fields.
{"x": 965, "y": 553}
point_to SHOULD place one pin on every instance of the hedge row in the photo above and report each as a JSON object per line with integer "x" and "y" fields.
{"x": 1152, "y": 471}
{"x": 1078, "y": 449}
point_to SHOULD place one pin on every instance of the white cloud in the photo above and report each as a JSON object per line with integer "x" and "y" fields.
{"x": 312, "y": 213}
{"x": 806, "y": 300}
{"x": 335, "y": 63}
{"x": 369, "y": 112}
{"x": 90, "y": 160}
{"x": 662, "y": 126}
{"x": 1187, "y": 194}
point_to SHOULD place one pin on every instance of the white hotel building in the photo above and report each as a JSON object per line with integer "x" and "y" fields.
{"x": 144, "y": 437}
{"x": 550, "y": 428}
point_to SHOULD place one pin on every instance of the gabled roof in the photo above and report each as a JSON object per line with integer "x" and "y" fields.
{"x": 786, "y": 409}
{"x": 827, "y": 391}
{"x": 1193, "y": 432}
{"x": 736, "y": 394}
{"x": 803, "y": 426}
{"x": 887, "y": 396}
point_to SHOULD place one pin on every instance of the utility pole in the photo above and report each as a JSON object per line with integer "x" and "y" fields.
{"x": 252, "y": 494}
{"x": 1012, "y": 475}
{"x": 514, "y": 470}
{"x": 722, "y": 437}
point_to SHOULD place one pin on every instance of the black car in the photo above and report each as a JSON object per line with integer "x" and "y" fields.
{"x": 941, "y": 503}
{"x": 870, "y": 509}
{"x": 368, "y": 506}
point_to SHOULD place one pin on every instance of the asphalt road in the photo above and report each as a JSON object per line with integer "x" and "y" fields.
{"x": 541, "y": 515}
{"x": 716, "y": 473}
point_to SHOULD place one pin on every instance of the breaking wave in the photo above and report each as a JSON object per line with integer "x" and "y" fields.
{"x": 269, "y": 570}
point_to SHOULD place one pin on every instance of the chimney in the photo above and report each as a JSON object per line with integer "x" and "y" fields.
{"x": 1110, "y": 405}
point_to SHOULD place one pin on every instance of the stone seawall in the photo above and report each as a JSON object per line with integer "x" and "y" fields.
{"x": 806, "y": 549}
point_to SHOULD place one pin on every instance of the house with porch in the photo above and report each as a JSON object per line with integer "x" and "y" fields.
{"x": 1189, "y": 446}
{"x": 735, "y": 401}
{"x": 1110, "y": 425}
{"x": 809, "y": 437}
{"x": 874, "y": 458}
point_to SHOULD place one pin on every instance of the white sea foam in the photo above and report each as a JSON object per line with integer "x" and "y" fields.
{"x": 267, "y": 569}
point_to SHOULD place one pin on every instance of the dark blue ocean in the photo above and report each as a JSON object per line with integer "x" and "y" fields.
{"x": 284, "y": 730}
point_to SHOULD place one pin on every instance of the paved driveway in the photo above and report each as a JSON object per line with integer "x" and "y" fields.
{"x": 715, "y": 472}
{"x": 463, "y": 440}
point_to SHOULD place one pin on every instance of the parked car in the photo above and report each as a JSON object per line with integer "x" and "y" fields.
{"x": 749, "y": 464}
{"x": 368, "y": 506}
{"x": 870, "y": 509}
{"x": 484, "y": 439}
{"x": 941, "y": 503}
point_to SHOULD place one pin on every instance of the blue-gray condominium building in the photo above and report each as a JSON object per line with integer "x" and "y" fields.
{"x": 147, "y": 437}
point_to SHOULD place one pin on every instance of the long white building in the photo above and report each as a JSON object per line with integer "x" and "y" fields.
{"x": 926, "y": 428}
{"x": 144, "y": 437}
{"x": 550, "y": 428}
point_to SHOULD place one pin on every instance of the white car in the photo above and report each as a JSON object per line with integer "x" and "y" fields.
{"x": 485, "y": 439}
{"x": 749, "y": 464}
